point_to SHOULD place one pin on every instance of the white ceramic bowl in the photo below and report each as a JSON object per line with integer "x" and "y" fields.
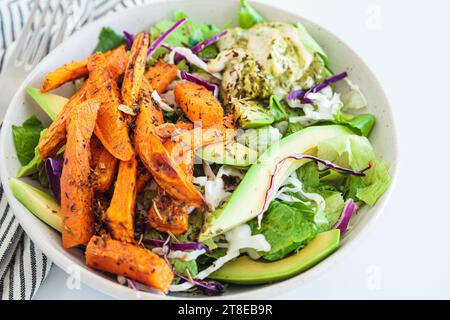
{"x": 218, "y": 12}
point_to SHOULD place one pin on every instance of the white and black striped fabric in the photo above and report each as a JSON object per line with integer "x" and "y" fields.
{"x": 23, "y": 266}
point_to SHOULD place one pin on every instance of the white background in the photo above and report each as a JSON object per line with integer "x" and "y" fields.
{"x": 406, "y": 254}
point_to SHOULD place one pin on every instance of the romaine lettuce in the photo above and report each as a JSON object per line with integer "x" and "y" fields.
{"x": 287, "y": 226}
{"x": 248, "y": 16}
{"x": 371, "y": 187}
{"x": 349, "y": 151}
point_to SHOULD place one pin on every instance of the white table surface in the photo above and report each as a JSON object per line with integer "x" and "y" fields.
{"x": 406, "y": 253}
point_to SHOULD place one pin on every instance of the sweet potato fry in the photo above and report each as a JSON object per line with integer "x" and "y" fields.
{"x": 68, "y": 72}
{"x": 161, "y": 74}
{"x": 55, "y": 137}
{"x": 166, "y": 214}
{"x": 120, "y": 214}
{"x": 128, "y": 260}
{"x": 103, "y": 165}
{"x": 200, "y": 137}
{"x": 167, "y": 174}
{"x": 76, "y": 188}
{"x": 198, "y": 104}
{"x": 116, "y": 61}
{"x": 110, "y": 128}
{"x": 135, "y": 70}
{"x": 154, "y": 111}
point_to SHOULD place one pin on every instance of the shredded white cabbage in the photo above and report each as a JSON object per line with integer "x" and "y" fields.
{"x": 192, "y": 58}
{"x": 178, "y": 254}
{"x": 326, "y": 104}
{"x": 294, "y": 185}
{"x": 239, "y": 238}
{"x": 215, "y": 193}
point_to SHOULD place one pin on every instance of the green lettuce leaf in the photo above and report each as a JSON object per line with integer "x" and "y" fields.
{"x": 180, "y": 267}
{"x": 108, "y": 40}
{"x": 187, "y": 35}
{"x": 26, "y": 138}
{"x": 371, "y": 187}
{"x": 287, "y": 226}
{"x": 248, "y": 16}
{"x": 361, "y": 124}
{"x": 313, "y": 182}
{"x": 349, "y": 151}
{"x": 278, "y": 110}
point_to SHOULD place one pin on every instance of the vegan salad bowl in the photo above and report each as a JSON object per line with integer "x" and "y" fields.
{"x": 198, "y": 148}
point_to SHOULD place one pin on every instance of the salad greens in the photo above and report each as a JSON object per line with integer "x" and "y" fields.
{"x": 108, "y": 40}
{"x": 286, "y": 226}
{"x": 306, "y": 128}
{"x": 248, "y": 16}
{"x": 26, "y": 138}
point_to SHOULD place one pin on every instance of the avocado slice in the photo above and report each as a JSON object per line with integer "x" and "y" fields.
{"x": 41, "y": 204}
{"x": 52, "y": 104}
{"x": 251, "y": 114}
{"x": 244, "y": 270}
{"x": 231, "y": 153}
{"x": 250, "y": 198}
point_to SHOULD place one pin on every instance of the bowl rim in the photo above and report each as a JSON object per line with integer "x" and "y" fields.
{"x": 115, "y": 290}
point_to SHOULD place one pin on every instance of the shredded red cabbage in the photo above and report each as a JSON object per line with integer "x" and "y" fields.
{"x": 214, "y": 88}
{"x": 151, "y": 50}
{"x": 350, "y": 208}
{"x": 129, "y": 39}
{"x": 209, "y": 288}
{"x": 202, "y": 45}
{"x": 302, "y": 94}
{"x": 326, "y": 163}
{"x": 178, "y": 246}
{"x": 53, "y": 170}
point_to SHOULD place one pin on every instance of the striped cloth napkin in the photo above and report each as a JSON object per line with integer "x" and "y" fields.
{"x": 23, "y": 267}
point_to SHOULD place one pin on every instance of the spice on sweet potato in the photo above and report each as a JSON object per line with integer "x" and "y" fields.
{"x": 198, "y": 104}
{"x": 128, "y": 260}
{"x": 76, "y": 188}
{"x": 111, "y": 127}
{"x": 120, "y": 214}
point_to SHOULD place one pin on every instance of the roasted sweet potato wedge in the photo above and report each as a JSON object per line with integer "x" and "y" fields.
{"x": 128, "y": 260}
{"x": 55, "y": 137}
{"x": 200, "y": 137}
{"x": 198, "y": 104}
{"x": 166, "y": 214}
{"x": 167, "y": 174}
{"x": 135, "y": 70}
{"x": 110, "y": 128}
{"x": 120, "y": 214}
{"x": 153, "y": 111}
{"x": 160, "y": 75}
{"x": 76, "y": 188}
{"x": 103, "y": 165}
{"x": 68, "y": 72}
{"x": 116, "y": 60}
